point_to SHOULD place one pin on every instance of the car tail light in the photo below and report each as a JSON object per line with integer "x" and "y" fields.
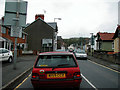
{"x": 77, "y": 75}
{"x": 35, "y": 75}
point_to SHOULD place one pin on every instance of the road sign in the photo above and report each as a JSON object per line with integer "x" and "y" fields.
{"x": 16, "y": 31}
{"x": 47, "y": 42}
{"x": 11, "y": 12}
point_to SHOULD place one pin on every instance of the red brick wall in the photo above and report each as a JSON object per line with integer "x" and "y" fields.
{"x": 19, "y": 40}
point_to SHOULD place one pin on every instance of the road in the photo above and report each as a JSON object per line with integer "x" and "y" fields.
{"x": 94, "y": 76}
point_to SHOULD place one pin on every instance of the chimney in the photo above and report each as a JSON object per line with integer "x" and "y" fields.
{"x": 39, "y": 16}
{"x": 2, "y": 20}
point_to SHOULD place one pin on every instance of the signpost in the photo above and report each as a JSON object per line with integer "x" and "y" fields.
{"x": 92, "y": 43}
{"x": 47, "y": 43}
{"x": 15, "y": 17}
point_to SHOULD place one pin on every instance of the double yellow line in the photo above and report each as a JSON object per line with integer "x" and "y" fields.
{"x": 23, "y": 81}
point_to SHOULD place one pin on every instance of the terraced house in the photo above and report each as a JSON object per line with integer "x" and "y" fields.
{"x": 8, "y": 42}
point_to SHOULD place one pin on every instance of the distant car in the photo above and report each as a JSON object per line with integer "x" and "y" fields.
{"x": 6, "y": 55}
{"x": 81, "y": 54}
{"x": 56, "y": 70}
{"x": 60, "y": 50}
{"x": 71, "y": 50}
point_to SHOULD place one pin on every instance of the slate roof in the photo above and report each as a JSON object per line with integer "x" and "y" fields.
{"x": 116, "y": 32}
{"x": 53, "y": 25}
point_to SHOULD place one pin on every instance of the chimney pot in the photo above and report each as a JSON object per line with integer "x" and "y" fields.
{"x": 39, "y": 16}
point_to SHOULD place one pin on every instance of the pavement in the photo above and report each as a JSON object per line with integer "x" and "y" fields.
{"x": 105, "y": 63}
{"x": 10, "y": 76}
{"x": 25, "y": 64}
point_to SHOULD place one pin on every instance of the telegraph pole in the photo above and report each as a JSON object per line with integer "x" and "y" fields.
{"x": 92, "y": 43}
{"x": 16, "y": 27}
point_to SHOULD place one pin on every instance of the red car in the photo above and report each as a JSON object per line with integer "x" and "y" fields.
{"x": 56, "y": 70}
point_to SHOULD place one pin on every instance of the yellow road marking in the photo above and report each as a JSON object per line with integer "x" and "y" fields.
{"x": 22, "y": 81}
{"x": 104, "y": 66}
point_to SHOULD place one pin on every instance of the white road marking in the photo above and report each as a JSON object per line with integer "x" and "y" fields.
{"x": 89, "y": 82}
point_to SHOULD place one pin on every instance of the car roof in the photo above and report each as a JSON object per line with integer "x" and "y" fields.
{"x": 56, "y": 53}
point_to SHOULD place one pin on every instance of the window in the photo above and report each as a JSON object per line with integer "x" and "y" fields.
{"x": 3, "y": 30}
{"x": 9, "y": 31}
{"x": 23, "y": 36}
{"x": 5, "y": 51}
{"x": 112, "y": 45}
{"x": 55, "y": 61}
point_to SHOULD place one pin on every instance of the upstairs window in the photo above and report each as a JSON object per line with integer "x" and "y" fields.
{"x": 3, "y": 30}
{"x": 23, "y": 36}
{"x": 9, "y": 32}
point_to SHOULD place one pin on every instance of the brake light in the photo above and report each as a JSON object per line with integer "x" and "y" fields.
{"x": 77, "y": 75}
{"x": 35, "y": 75}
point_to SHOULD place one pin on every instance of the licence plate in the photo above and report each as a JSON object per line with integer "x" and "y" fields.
{"x": 56, "y": 75}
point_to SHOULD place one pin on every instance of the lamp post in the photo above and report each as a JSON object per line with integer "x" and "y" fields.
{"x": 55, "y": 35}
{"x": 57, "y": 18}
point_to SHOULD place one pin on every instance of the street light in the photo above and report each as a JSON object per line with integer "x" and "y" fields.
{"x": 57, "y": 18}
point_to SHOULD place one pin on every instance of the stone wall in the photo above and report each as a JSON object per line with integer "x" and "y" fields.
{"x": 114, "y": 58}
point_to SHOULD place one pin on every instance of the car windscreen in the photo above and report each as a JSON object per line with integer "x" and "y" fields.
{"x": 56, "y": 61}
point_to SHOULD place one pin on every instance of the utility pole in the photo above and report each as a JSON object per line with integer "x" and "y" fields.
{"x": 16, "y": 27}
{"x": 92, "y": 43}
{"x": 15, "y": 17}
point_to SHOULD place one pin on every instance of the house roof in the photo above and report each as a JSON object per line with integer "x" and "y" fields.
{"x": 53, "y": 24}
{"x": 106, "y": 36}
{"x": 116, "y": 32}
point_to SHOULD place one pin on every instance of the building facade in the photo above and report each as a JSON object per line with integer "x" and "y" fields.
{"x": 116, "y": 38}
{"x": 8, "y": 42}
{"x": 104, "y": 41}
{"x": 40, "y": 36}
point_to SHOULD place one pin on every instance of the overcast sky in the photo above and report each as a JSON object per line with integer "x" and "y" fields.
{"x": 79, "y": 17}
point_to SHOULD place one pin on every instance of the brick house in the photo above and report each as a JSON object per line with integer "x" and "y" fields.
{"x": 8, "y": 41}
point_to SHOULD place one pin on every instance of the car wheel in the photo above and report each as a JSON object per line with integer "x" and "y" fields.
{"x": 10, "y": 59}
{"x": 76, "y": 88}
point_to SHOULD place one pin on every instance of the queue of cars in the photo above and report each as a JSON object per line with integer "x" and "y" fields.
{"x": 6, "y": 55}
{"x": 56, "y": 69}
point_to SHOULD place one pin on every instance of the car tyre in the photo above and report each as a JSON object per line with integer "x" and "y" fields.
{"x": 76, "y": 88}
{"x": 10, "y": 60}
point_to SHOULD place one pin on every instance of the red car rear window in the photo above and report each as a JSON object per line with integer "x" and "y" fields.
{"x": 56, "y": 61}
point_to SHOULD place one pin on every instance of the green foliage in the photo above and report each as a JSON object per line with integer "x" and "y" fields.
{"x": 76, "y": 41}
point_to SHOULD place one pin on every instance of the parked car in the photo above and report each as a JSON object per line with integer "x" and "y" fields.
{"x": 60, "y": 50}
{"x": 56, "y": 69}
{"x": 6, "y": 55}
{"x": 80, "y": 54}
